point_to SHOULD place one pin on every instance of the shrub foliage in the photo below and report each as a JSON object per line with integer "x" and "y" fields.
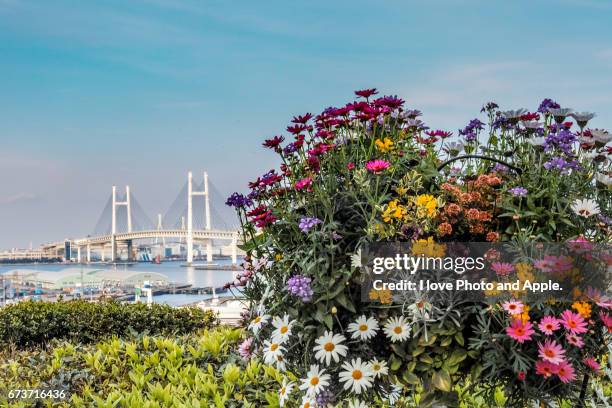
{"x": 28, "y": 324}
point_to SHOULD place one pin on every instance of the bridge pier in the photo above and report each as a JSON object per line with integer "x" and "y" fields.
{"x": 78, "y": 253}
{"x": 113, "y": 254}
{"x": 209, "y": 251}
{"x": 234, "y": 249}
{"x": 130, "y": 250}
{"x": 88, "y": 253}
{"x": 102, "y": 253}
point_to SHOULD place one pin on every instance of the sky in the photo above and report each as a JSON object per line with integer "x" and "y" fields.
{"x": 139, "y": 92}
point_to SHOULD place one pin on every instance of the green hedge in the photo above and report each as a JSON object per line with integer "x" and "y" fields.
{"x": 28, "y": 324}
{"x": 195, "y": 370}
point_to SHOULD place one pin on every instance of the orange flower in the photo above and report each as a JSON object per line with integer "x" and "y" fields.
{"x": 492, "y": 236}
{"x": 445, "y": 229}
{"x": 473, "y": 214}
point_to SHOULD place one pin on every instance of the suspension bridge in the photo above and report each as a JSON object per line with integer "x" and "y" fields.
{"x": 123, "y": 221}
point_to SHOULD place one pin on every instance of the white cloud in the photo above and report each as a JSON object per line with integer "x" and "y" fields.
{"x": 19, "y": 197}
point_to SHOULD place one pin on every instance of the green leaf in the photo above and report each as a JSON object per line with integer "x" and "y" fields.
{"x": 442, "y": 380}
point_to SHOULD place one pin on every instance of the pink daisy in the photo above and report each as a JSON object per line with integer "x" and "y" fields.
{"x": 545, "y": 368}
{"x": 502, "y": 268}
{"x": 607, "y": 320}
{"x": 377, "y": 166}
{"x": 513, "y": 307}
{"x": 244, "y": 349}
{"x": 592, "y": 364}
{"x": 573, "y": 322}
{"x": 565, "y": 372}
{"x": 519, "y": 331}
{"x": 574, "y": 340}
{"x": 551, "y": 352}
{"x": 548, "y": 325}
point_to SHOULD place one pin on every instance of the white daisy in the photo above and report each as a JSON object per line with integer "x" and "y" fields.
{"x": 316, "y": 380}
{"x": 394, "y": 394}
{"x": 397, "y": 329}
{"x": 357, "y": 404}
{"x": 514, "y": 114}
{"x": 283, "y": 393}
{"x": 582, "y": 118}
{"x": 560, "y": 113}
{"x": 329, "y": 346}
{"x": 258, "y": 321}
{"x": 282, "y": 329}
{"x": 536, "y": 141}
{"x": 532, "y": 124}
{"x": 363, "y": 328}
{"x": 453, "y": 148}
{"x": 271, "y": 350}
{"x": 308, "y": 402}
{"x": 585, "y": 208}
{"x": 601, "y": 136}
{"x": 379, "y": 368}
{"x": 280, "y": 363}
{"x": 604, "y": 179}
{"x": 357, "y": 376}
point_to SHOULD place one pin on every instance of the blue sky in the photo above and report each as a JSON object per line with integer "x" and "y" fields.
{"x": 138, "y": 92}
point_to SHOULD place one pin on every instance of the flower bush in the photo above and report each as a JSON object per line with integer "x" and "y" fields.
{"x": 372, "y": 171}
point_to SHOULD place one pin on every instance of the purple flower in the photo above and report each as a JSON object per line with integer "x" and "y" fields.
{"x": 562, "y": 139}
{"x": 299, "y": 285}
{"x": 470, "y": 137}
{"x": 548, "y": 104}
{"x": 473, "y": 126}
{"x": 290, "y": 149}
{"x": 562, "y": 165}
{"x": 308, "y": 223}
{"x": 500, "y": 168}
{"x": 238, "y": 201}
{"x": 518, "y": 191}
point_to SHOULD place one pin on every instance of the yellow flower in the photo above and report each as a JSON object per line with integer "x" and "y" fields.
{"x": 383, "y": 295}
{"x": 523, "y": 316}
{"x": 492, "y": 292}
{"x": 278, "y": 257}
{"x": 427, "y": 205}
{"x": 584, "y": 308}
{"x": 384, "y": 145}
{"x": 429, "y": 248}
{"x": 524, "y": 272}
{"x": 394, "y": 210}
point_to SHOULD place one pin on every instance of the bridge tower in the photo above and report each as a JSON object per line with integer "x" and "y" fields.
{"x": 128, "y": 205}
{"x": 190, "y": 195}
{"x": 160, "y": 227}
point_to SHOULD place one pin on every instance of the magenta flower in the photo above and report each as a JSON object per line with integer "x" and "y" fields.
{"x": 548, "y": 325}
{"x": 546, "y": 368}
{"x": 502, "y": 268}
{"x": 274, "y": 142}
{"x": 565, "y": 372}
{"x": 519, "y": 331}
{"x": 551, "y": 351}
{"x": 573, "y": 322}
{"x": 366, "y": 93}
{"x": 377, "y": 166}
{"x": 592, "y": 364}
{"x": 303, "y": 183}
